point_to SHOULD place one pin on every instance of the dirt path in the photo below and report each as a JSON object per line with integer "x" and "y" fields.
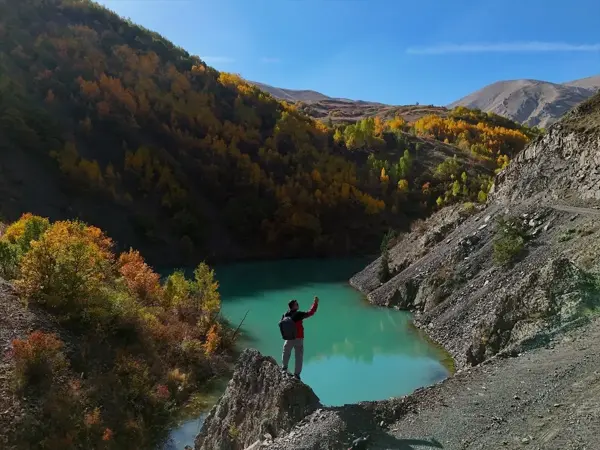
{"x": 546, "y": 399}
{"x": 577, "y": 210}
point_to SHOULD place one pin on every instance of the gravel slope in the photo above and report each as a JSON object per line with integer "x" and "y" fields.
{"x": 546, "y": 399}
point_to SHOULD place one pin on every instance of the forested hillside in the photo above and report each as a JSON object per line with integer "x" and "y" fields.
{"x": 104, "y": 120}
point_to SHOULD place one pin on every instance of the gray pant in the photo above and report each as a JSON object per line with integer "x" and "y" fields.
{"x": 298, "y": 346}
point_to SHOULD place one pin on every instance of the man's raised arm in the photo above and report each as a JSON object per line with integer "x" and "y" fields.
{"x": 313, "y": 309}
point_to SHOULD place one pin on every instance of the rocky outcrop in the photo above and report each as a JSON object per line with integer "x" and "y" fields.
{"x": 560, "y": 163}
{"x": 411, "y": 247}
{"x": 564, "y": 162}
{"x": 260, "y": 402}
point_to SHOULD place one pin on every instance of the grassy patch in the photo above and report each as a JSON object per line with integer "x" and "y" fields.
{"x": 509, "y": 241}
{"x": 567, "y": 235}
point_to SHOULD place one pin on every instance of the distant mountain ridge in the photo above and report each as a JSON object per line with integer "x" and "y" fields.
{"x": 292, "y": 95}
{"x": 321, "y": 106}
{"x": 531, "y": 102}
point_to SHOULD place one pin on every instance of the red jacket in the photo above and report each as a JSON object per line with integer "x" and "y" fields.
{"x": 299, "y": 316}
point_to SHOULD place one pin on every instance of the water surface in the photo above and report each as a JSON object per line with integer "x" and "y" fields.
{"x": 352, "y": 350}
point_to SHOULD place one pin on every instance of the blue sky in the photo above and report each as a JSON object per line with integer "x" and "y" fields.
{"x": 398, "y": 52}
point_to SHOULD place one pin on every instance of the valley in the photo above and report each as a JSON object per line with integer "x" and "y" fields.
{"x": 156, "y": 215}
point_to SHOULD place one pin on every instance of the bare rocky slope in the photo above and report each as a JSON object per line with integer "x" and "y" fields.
{"x": 588, "y": 83}
{"x": 524, "y": 334}
{"x": 292, "y": 95}
{"x": 531, "y": 102}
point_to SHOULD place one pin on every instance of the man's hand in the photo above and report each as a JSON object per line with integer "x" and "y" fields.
{"x": 316, "y": 299}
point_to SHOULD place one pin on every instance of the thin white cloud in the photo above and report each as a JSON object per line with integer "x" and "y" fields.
{"x": 217, "y": 59}
{"x": 266, "y": 59}
{"x": 503, "y": 47}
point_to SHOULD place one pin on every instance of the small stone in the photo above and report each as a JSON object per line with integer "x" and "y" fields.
{"x": 557, "y": 405}
{"x": 382, "y": 424}
{"x": 525, "y": 440}
{"x": 516, "y": 397}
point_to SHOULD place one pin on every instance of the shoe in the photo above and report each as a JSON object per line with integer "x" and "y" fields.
{"x": 297, "y": 376}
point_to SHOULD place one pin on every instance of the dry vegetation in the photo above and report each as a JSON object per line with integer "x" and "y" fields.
{"x": 129, "y": 351}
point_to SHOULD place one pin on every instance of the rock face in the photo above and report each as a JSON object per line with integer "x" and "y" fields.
{"x": 561, "y": 161}
{"x": 564, "y": 161}
{"x": 259, "y": 400}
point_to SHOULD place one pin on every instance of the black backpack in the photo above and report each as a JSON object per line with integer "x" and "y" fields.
{"x": 288, "y": 328}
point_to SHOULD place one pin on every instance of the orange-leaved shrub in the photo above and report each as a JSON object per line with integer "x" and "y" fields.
{"x": 66, "y": 268}
{"x": 139, "y": 277}
{"x": 38, "y": 359}
{"x": 138, "y": 347}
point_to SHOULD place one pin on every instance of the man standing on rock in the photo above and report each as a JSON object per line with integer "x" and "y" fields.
{"x": 292, "y": 331}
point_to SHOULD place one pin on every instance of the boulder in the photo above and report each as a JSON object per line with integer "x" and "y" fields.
{"x": 260, "y": 400}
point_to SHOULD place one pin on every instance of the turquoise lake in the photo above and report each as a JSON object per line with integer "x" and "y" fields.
{"x": 352, "y": 350}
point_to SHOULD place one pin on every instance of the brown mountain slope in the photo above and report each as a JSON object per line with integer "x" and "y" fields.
{"x": 531, "y": 102}
{"x": 291, "y": 95}
{"x": 323, "y": 107}
{"x": 587, "y": 83}
{"x": 348, "y": 111}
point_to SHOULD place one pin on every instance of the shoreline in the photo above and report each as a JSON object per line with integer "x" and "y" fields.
{"x": 436, "y": 351}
